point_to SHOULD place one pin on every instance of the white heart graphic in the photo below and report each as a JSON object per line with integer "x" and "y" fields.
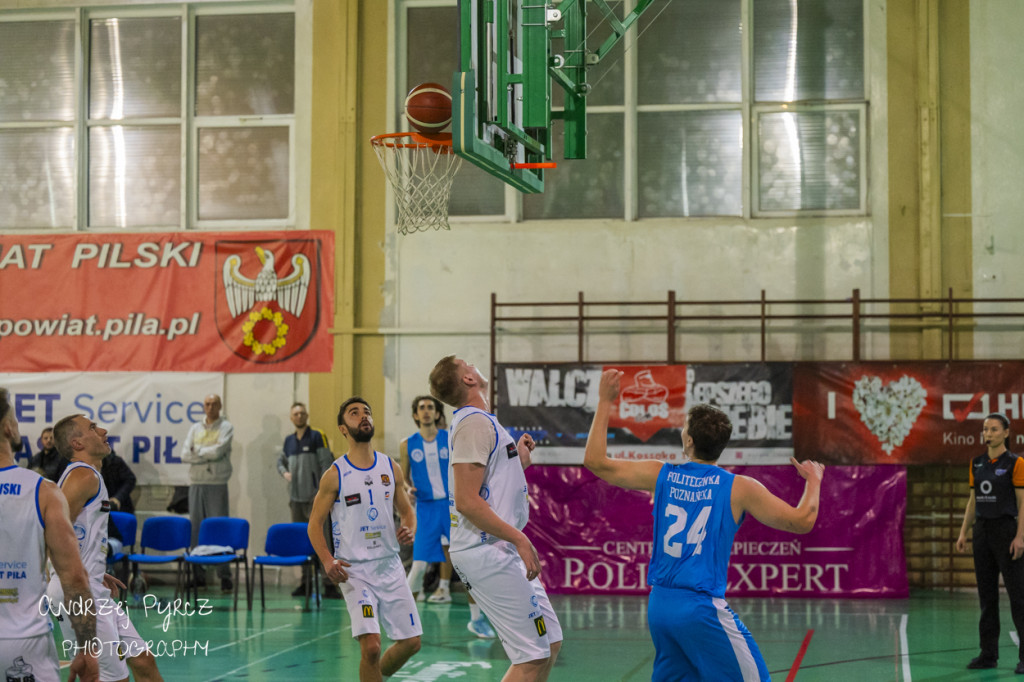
{"x": 889, "y": 411}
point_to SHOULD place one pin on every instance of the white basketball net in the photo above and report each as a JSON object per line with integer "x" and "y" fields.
{"x": 421, "y": 172}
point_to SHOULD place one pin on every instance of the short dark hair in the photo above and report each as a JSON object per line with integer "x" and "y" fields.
{"x": 63, "y": 432}
{"x": 46, "y": 430}
{"x": 999, "y": 416}
{"x": 710, "y": 430}
{"x": 5, "y": 402}
{"x": 438, "y": 405}
{"x": 294, "y": 405}
{"x": 345, "y": 406}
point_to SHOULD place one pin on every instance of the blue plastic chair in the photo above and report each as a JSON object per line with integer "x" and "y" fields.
{"x": 288, "y": 545}
{"x": 229, "y": 532}
{"x": 163, "y": 534}
{"x": 127, "y": 526}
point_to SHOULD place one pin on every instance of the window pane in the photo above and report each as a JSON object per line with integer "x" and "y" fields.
{"x": 590, "y": 188}
{"x": 37, "y": 59}
{"x": 37, "y": 178}
{"x": 690, "y": 52}
{"x": 245, "y": 64}
{"x": 135, "y": 68}
{"x": 808, "y": 50}
{"x": 433, "y": 46}
{"x": 243, "y": 173}
{"x": 691, "y": 163}
{"x": 476, "y": 192}
{"x": 809, "y": 160}
{"x": 134, "y": 176}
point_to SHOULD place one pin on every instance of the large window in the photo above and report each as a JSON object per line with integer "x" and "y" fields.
{"x": 742, "y": 108}
{"x": 172, "y": 117}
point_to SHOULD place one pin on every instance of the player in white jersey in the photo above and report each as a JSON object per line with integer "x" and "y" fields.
{"x": 35, "y": 520}
{"x": 360, "y": 492}
{"x": 85, "y": 444}
{"x": 489, "y": 507}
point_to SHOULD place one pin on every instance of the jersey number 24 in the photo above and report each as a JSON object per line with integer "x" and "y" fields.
{"x": 671, "y": 543}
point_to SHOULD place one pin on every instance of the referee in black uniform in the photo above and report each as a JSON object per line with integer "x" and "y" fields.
{"x": 997, "y": 493}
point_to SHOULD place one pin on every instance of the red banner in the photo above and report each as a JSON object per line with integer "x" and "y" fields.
{"x": 595, "y": 538}
{"x": 190, "y": 302}
{"x": 907, "y": 413}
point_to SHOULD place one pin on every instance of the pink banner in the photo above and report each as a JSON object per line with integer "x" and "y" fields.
{"x": 594, "y": 538}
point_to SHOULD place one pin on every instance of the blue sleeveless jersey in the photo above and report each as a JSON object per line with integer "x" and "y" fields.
{"x": 428, "y": 466}
{"x": 693, "y": 528}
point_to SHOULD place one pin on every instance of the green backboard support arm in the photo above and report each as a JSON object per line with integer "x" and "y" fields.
{"x": 501, "y": 94}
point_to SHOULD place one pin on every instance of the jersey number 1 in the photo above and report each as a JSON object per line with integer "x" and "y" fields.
{"x": 694, "y": 536}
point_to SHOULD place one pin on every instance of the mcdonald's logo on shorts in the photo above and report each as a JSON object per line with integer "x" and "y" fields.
{"x": 367, "y": 610}
{"x": 542, "y": 629}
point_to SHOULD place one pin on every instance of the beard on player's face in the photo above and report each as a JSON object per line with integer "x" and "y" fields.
{"x": 360, "y": 434}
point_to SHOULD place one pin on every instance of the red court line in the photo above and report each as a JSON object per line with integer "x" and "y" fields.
{"x": 799, "y": 656}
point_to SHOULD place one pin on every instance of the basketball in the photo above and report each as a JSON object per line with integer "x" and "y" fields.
{"x": 428, "y": 107}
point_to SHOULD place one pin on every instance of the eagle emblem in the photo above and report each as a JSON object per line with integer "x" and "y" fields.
{"x": 289, "y": 292}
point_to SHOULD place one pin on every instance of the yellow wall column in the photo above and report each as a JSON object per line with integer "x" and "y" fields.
{"x": 347, "y": 191}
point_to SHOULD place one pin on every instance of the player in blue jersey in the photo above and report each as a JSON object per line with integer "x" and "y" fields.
{"x": 698, "y": 507}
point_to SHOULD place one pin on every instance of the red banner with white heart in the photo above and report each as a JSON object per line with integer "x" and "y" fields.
{"x": 905, "y": 413}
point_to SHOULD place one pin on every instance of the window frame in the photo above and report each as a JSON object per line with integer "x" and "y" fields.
{"x": 188, "y": 123}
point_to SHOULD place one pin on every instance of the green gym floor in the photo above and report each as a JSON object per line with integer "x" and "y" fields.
{"x": 930, "y": 636}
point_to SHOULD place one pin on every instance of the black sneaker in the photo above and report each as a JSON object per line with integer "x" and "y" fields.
{"x": 1019, "y": 670}
{"x": 330, "y": 591}
{"x": 982, "y": 663}
{"x": 226, "y": 586}
{"x": 299, "y": 591}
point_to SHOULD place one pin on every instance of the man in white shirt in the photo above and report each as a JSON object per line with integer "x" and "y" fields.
{"x": 489, "y": 505}
{"x": 207, "y": 449}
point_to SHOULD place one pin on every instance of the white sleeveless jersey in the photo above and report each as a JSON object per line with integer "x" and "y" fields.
{"x": 22, "y": 555}
{"x": 91, "y": 528}
{"x": 504, "y": 487}
{"x": 362, "y": 517}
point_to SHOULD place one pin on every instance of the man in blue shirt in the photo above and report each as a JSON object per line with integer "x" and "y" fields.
{"x": 697, "y": 509}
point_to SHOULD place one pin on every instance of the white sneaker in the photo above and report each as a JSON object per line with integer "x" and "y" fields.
{"x": 481, "y": 628}
{"x": 421, "y": 596}
{"x": 440, "y": 596}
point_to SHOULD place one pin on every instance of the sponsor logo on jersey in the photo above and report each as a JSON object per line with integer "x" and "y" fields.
{"x": 512, "y": 450}
{"x": 385, "y": 480}
{"x": 372, "y": 513}
{"x": 367, "y": 610}
{"x": 105, "y": 506}
{"x": 368, "y": 481}
{"x": 542, "y": 629}
{"x": 353, "y": 499}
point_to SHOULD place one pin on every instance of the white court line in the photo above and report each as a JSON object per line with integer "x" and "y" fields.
{"x": 582, "y": 548}
{"x": 282, "y": 651}
{"x": 245, "y": 639}
{"x": 904, "y": 649}
{"x": 827, "y": 549}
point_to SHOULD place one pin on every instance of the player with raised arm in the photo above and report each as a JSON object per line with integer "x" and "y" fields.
{"x": 698, "y": 508}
